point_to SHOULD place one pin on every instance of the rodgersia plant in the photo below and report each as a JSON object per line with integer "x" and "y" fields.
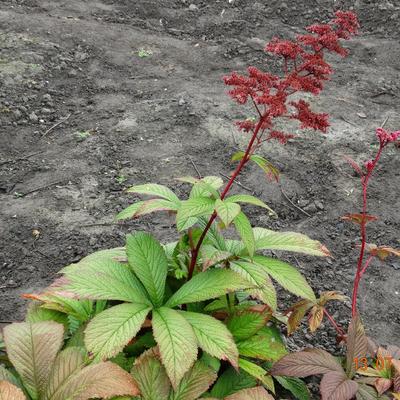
{"x": 198, "y": 317}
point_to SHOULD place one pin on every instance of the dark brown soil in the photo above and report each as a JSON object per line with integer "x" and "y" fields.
{"x": 148, "y": 117}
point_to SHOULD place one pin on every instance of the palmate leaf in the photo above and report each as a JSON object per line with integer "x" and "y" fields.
{"x": 10, "y": 392}
{"x": 337, "y": 386}
{"x": 153, "y": 189}
{"x": 146, "y": 207}
{"x": 297, "y": 313}
{"x": 105, "y": 280}
{"x": 357, "y": 345}
{"x": 305, "y": 363}
{"x": 245, "y": 232}
{"x": 177, "y": 342}
{"x": 151, "y": 377}
{"x": 196, "y": 207}
{"x": 257, "y": 393}
{"x": 149, "y": 262}
{"x": 246, "y": 323}
{"x": 213, "y": 336}
{"x": 227, "y": 211}
{"x": 288, "y": 241}
{"x": 231, "y": 382}
{"x": 67, "y": 363}
{"x": 101, "y": 255}
{"x": 287, "y": 276}
{"x": 32, "y": 349}
{"x": 109, "y": 332}
{"x": 194, "y": 383}
{"x": 246, "y": 198}
{"x": 102, "y": 380}
{"x": 208, "y": 285}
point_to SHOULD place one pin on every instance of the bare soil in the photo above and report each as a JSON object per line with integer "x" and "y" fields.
{"x": 76, "y": 64}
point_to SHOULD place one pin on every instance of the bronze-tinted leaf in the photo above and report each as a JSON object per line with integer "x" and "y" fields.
{"x": 382, "y": 252}
{"x": 32, "y": 349}
{"x": 10, "y": 392}
{"x": 297, "y": 313}
{"x": 357, "y": 345}
{"x": 336, "y": 386}
{"x": 329, "y": 296}
{"x": 102, "y": 380}
{"x": 315, "y": 318}
{"x": 382, "y": 385}
{"x": 256, "y": 393}
{"x": 359, "y": 218}
{"x": 305, "y": 363}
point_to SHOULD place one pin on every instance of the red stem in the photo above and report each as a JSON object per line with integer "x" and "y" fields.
{"x": 339, "y": 330}
{"x": 361, "y": 267}
{"x": 242, "y": 163}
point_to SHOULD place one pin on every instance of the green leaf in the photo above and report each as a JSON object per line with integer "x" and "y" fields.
{"x": 102, "y": 380}
{"x": 295, "y": 386}
{"x": 246, "y": 323}
{"x": 213, "y": 336}
{"x": 67, "y": 363}
{"x": 105, "y": 280}
{"x": 250, "y": 271}
{"x": 104, "y": 255}
{"x": 177, "y": 342}
{"x": 195, "y": 382}
{"x": 270, "y": 170}
{"x": 153, "y": 189}
{"x": 146, "y": 207}
{"x": 151, "y": 377}
{"x": 213, "y": 236}
{"x": 227, "y": 211}
{"x": 191, "y": 208}
{"x": 245, "y": 232}
{"x": 287, "y": 276}
{"x": 266, "y": 345}
{"x": 288, "y": 241}
{"x": 32, "y": 349}
{"x": 257, "y": 372}
{"x": 203, "y": 189}
{"x": 246, "y": 198}
{"x": 266, "y": 294}
{"x": 208, "y": 285}
{"x": 231, "y": 382}
{"x": 6, "y": 375}
{"x": 36, "y": 313}
{"x": 109, "y": 332}
{"x": 149, "y": 262}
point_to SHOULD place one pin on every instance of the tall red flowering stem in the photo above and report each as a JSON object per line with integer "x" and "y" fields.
{"x": 304, "y": 70}
{"x": 384, "y": 139}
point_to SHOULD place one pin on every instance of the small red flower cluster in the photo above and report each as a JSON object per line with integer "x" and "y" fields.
{"x": 305, "y": 70}
{"x": 385, "y": 137}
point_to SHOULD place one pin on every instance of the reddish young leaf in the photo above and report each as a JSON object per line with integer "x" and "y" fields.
{"x": 305, "y": 363}
{"x": 382, "y": 252}
{"x": 330, "y": 295}
{"x": 359, "y": 218}
{"x": 336, "y": 386}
